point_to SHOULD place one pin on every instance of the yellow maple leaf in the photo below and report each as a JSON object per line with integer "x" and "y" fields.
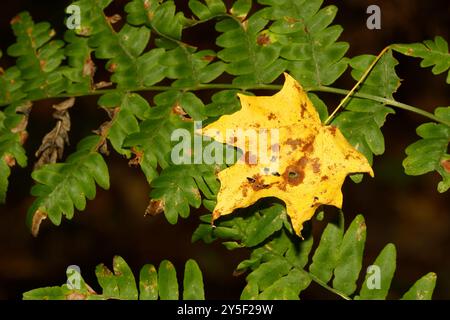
{"x": 311, "y": 162}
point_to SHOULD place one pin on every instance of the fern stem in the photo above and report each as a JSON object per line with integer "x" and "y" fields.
{"x": 313, "y": 277}
{"x": 386, "y": 101}
{"x": 363, "y": 77}
{"x": 324, "y": 285}
{"x": 222, "y": 86}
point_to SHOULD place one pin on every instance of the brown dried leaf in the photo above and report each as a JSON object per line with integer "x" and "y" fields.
{"x": 38, "y": 217}
{"x": 52, "y": 147}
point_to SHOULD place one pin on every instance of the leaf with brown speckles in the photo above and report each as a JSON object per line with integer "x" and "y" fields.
{"x": 309, "y": 168}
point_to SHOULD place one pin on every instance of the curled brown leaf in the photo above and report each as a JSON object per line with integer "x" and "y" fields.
{"x": 52, "y": 147}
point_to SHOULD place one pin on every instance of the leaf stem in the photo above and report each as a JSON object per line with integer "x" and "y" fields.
{"x": 363, "y": 77}
{"x": 227, "y": 86}
{"x": 313, "y": 277}
{"x": 324, "y": 285}
{"x": 386, "y": 101}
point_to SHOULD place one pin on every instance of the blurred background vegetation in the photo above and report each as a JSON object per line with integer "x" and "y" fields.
{"x": 404, "y": 210}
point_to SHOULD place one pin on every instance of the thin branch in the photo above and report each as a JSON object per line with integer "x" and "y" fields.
{"x": 324, "y": 285}
{"x": 363, "y": 77}
{"x": 313, "y": 277}
{"x": 221, "y": 86}
{"x": 386, "y": 101}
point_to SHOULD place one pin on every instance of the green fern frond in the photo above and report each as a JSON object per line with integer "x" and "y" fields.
{"x": 430, "y": 153}
{"x": 80, "y": 69}
{"x": 122, "y": 49}
{"x": 182, "y": 62}
{"x": 251, "y": 54}
{"x": 179, "y": 187}
{"x": 278, "y": 263}
{"x": 11, "y": 140}
{"x": 38, "y": 57}
{"x": 126, "y": 110}
{"x": 62, "y": 186}
{"x": 10, "y": 86}
{"x": 160, "y": 16}
{"x": 362, "y": 119}
{"x": 434, "y": 54}
{"x": 121, "y": 284}
{"x": 308, "y": 42}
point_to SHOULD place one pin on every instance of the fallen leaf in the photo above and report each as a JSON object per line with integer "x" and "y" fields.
{"x": 312, "y": 163}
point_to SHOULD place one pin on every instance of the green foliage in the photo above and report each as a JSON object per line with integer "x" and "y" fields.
{"x": 259, "y": 40}
{"x": 308, "y": 42}
{"x": 179, "y": 186}
{"x": 422, "y": 289}
{"x": 386, "y": 262}
{"x": 80, "y": 68}
{"x": 11, "y": 150}
{"x": 430, "y": 152}
{"x": 362, "y": 119}
{"x": 250, "y": 54}
{"x": 279, "y": 265}
{"x": 121, "y": 284}
{"x": 434, "y": 54}
{"x": 38, "y": 57}
{"x": 126, "y": 109}
{"x": 63, "y": 186}
{"x": 10, "y": 86}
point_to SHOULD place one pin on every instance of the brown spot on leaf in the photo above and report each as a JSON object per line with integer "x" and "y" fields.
{"x": 324, "y": 178}
{"x": 294, "y": 143}
{"x": 16, "y": 19}
{"x": 208, "y": 58}
{"x": 303, "y": 107}
{"x": 291, "y": 20}
{"x": 446, "y": 165}
{"x": 271, "y": 116}
{"x": 9, "y": 160}
{"x": 85, "y": 31}
{"x": 332, "y": 130}
{"x": 112, "y": 67}
{"x": 138, "y": 155}
{"x": 88, "y": 67}
{"x": 308, "y": 147}
{"x": 316, "y": 165}
{"x": 154, "y": 208}
{"x": 360, "y": 231}
{"x": 257, "y": 182}
{"x": 294, "y": 173}
{"x": 244, "y": 191}
{"x": 75, "y": 296}
{"x": 263, "y": 39}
